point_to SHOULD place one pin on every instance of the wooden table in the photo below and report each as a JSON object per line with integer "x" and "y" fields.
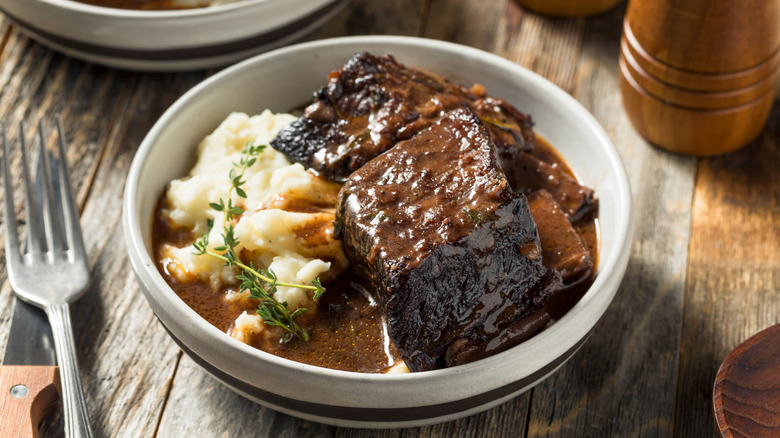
{"x": 703, "y": 274}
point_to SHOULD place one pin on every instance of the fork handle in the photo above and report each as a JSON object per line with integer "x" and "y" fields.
{"x": 74, "y": 406}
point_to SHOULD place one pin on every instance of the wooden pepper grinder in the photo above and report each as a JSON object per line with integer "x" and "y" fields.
{"x": 699, "y": 76}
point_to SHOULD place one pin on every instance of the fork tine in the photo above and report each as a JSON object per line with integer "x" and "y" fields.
{"x": 34, "y": 229}
{"x": 13, "y": 257}
{"x": 70, "y": 213}
{"x": 51, "y": 211}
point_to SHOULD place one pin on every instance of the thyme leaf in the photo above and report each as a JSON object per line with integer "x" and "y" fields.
{"x": 260, "y": 284}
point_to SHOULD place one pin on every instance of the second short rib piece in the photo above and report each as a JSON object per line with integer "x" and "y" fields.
{"x": 451, "y": 251}
{"x": 527, "y": 173}
{"x": 562, "y": 248}
{"x": 373, "y": 102}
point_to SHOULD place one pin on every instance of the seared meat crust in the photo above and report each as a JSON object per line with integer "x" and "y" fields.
{"x": 451, "y": 251}
{"x": 373, "y": 102}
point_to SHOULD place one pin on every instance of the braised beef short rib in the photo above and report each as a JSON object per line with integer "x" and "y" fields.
{"x": 527, "y": 173}
{"x": 373, "y": 102}
{"x": 562, "y": 248}
{"x": 451, "y": 251}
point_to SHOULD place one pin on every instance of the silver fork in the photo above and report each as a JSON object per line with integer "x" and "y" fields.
{"x": 53, "y": 270}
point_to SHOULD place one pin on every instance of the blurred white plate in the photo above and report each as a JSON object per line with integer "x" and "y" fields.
{"x": 168, "y": 40}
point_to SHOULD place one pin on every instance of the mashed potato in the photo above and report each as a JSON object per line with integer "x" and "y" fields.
{"x": 286, "y": 228}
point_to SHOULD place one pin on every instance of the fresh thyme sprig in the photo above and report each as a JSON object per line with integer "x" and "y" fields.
{"x": 261, "y": 285}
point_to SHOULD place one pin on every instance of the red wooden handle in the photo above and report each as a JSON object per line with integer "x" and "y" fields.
{"x": 26, "y": 394}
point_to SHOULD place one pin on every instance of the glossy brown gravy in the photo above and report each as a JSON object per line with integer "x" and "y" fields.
{"x": 347, "y": 332}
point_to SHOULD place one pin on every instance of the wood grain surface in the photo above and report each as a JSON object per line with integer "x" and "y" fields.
{"x": 702, "y": 278}
{"x": 746, "y": 393}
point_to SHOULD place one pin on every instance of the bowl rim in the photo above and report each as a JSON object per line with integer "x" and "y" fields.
{"x": 615, "y": 262}
{"x": 164, "y": 41}
{"x": 120, "y": 13}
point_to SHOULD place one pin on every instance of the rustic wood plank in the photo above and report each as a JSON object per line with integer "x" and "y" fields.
{"x": 36, "y": 82}
{"x": 126, "y": 358}
{"x": 547, "y": 46}
{"x": 622, "y": 381}
{"x": 732, "y": 287}
{"x": 472, "y": 23}
{"x": 129, "y": 359}
{"x": 82, "y": 94}
{"x": 230, "y": 414}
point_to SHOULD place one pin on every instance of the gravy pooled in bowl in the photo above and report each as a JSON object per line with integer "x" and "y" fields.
{"x": 452, "y": 233}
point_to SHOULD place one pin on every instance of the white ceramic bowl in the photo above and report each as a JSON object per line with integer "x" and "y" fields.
{"x": 285, "y": 78}
{"x": 168, "y": 40}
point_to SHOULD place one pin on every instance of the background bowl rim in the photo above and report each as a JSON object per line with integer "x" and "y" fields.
{"x": 119, "y": 13}
{"x": 166, "y": 41}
